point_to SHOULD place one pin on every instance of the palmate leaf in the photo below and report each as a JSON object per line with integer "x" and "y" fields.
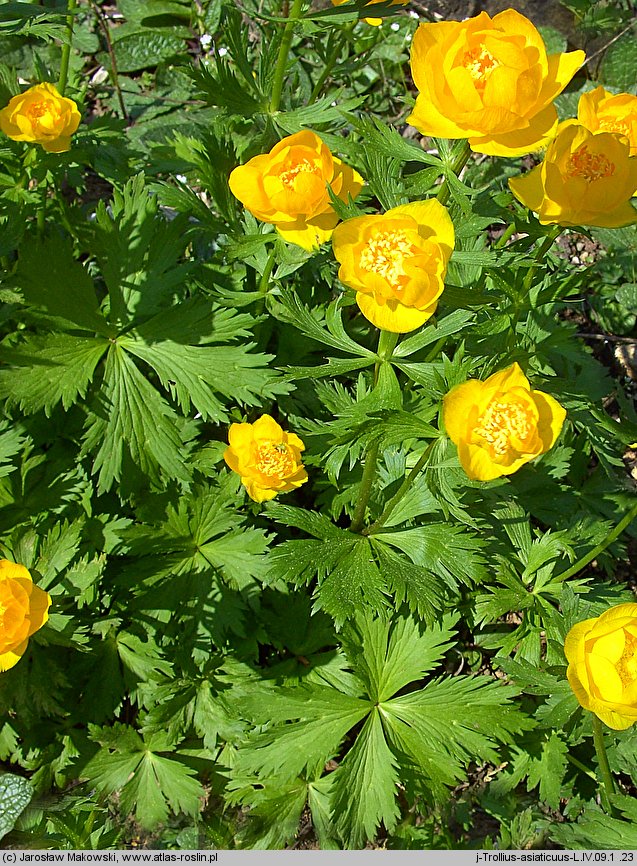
{"x": 191, "y": 373}
{"x": 388, "y": 654}
{"x": 323, "y": 717}
{"x": 50, "y": 369}
{"x": 12, "y": 440}
{"x": 459, "y": 717}
{"x": 150, "y": 786}
{"x": 451, "y": 552}
{"x": 135, "y": 421}
{"x": 365, "y": 786}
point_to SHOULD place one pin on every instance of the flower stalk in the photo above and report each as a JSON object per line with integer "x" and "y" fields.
{"x": 607, "y": 787}
{"x": 282, "y": 59}
{"x": 71, "y": 6}
{"x": 461, "y": 159}
{"x": 581, "y": 563}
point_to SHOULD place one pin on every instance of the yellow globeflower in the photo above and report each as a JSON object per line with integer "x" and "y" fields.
{"x": 288, "y": 188}
{"x": 489, "y": 80}
{"x": 601, "y": 111}
{"x": 23, "y": 610}
{"x": 396, "y": 262}
{"x": 43, "y": 116}
{"x": 602, "y": 665}
{"x": 500, "y": 424}
{"x": 266, "y": 457}
{"x": 586, "y": 179}
{"x": 373, "y": 21}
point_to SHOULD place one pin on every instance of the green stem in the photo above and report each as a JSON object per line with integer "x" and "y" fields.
{"x": 501, "y": 241}
{"x": 264, "y": 282}
{"x": 607, "y": 787}
{"x": 114, "y": 75}
{"x": 369, "y": 473}
{"x": 592, "y": 554}
{"x": 386, "y": 344}
{"x": 282, "y": 59}
{"x": 66, "y": 48}
{"x": 462, "y": 158}
{"x": 402, "y": 490}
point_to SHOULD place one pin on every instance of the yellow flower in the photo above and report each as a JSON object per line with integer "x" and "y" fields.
{"x": 396, "y": 262}
{"x": 42, "y": 116}
{"x": 586, "y": 179}
{"x": 601, "y": 111}
{"x": 488, "y": 80}
{"x": 266, "y": 457}
{"x": 500, "y": 424}
{"x": 375, "y": 22}
{"x": 602, "y": 665}
{"x": 288, "y": 188}
{"x": 23, "y": 610}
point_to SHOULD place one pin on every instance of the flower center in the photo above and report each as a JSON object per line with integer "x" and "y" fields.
{"x": 620, "y": 126}
{"x": 590, "y": 166}
{"x": 288, "y": 177}
{"x": 627, "y": 665}
{"x": 500, "y": 422}
{"x": 385, "y": 253}
{"x": 274, "y": 459}
{"x": 479, "y": 63}
{"x": 38, "y": 109}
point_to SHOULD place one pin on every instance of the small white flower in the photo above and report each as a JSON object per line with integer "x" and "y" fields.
{"x": 413, "y": 14}
{"x": 222, "y": 51}
{"x": 181, "y": 178}
{"x": 205, "y": 40}
{"x": 395, "y": 26}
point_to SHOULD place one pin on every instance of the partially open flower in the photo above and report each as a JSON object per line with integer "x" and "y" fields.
{"x": 23, "y": 610}
{"x": 490, "y": 81}
{"x": 375, "y": 22}
{"x": 288, "y": 188}
{"x": 43, "y": 116}
{"x": 396, "y": 262}
{"x": 586, "y": 179}
{"x": 266, "y": 457}
{"x": 602, "y": 665}
{"x": 601, "y": 111}
{"x": 500, "y": 424}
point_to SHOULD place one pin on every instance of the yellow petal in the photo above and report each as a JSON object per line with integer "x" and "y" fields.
{"x": 477, "y": 464}
{"x": 432, "y": 214}
{"x": 605, "y": 681}
{"x": 517, "y": 142}
{"x": 575, "y": 675}
{"x": 457, "y": 405}
{"x": 256, "y": 492}
{"x": 240, "y": 436}
{"x": 266, "y": 428}
{"x": 40, "y": 602}
{"x": 429, "y": 121}
{"x": 12, "y": 657}
{"x": 551, "y": 418}
{"x": 14, "y": 570}
{"x": 574, "y": 648}
{"x": 615, "y": 720}
{"x": 610, "y": 646}
{"x": 529, "y": 188}
{"x": 505, "y": 380}
{"x": 392, "y": 315}
{"x": 561, "y": 68}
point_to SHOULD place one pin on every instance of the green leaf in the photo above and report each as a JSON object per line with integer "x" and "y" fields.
{"x": 50, "y": 369}
{"x": 323, "y": 716}
{"x": 51, "y": 278}
{"x": 548, "y": 770}
{"x": 365, "y": 786}
{"x": 273, "y": 819}
{"x": 452, "y": 552}
{"x": 355, "y": 580}
{"x": 134, "y": 418}
{"x": 618, "y": 66}
{"x": 452, "y": 324}
{"x": 389, "y": 654}
{"x": 15, "y": 796}
{"x": 146, "y": 48}
{"x": 11, "y": 442}
{"x": 149, "y": 785}
{"x": 192, "y": 373}
{"x": 422, "y": 590}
